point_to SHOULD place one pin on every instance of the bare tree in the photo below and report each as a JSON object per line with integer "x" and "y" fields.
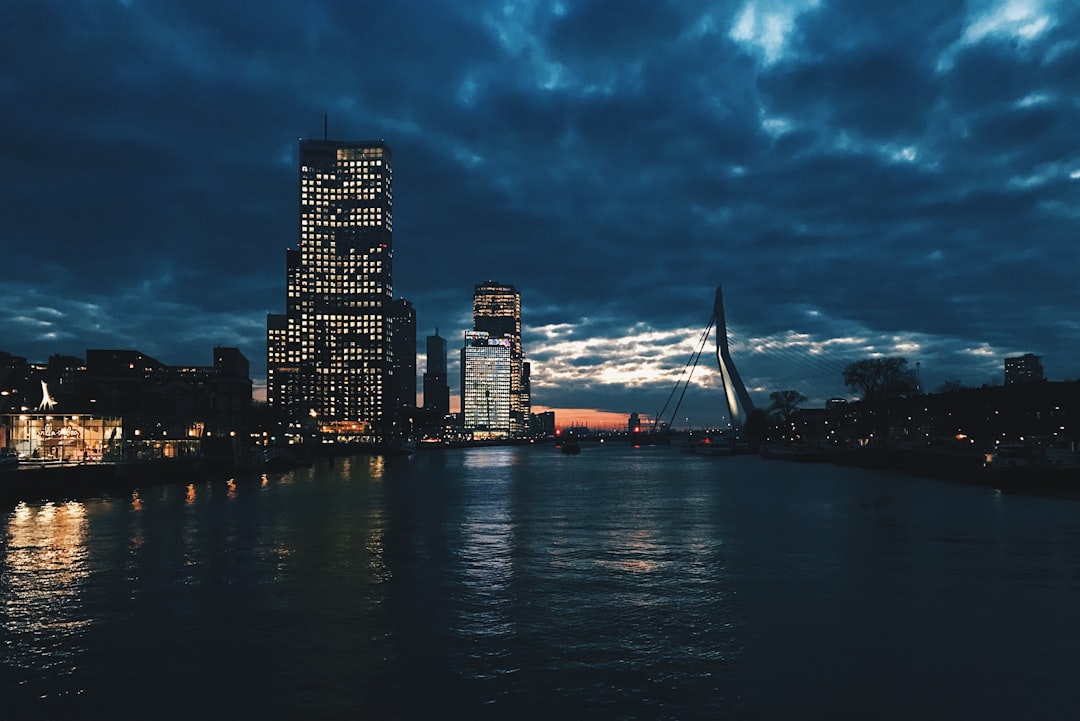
{"x": 880, "y": 379}
{"x": 783, "y": 404}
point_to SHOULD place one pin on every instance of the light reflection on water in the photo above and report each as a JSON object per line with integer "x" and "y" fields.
{"x": 44, "y": 570}
{"x": 522, "y": 583}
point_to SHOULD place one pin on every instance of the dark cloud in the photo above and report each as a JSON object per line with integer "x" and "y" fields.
{"x": 861, "y": 178}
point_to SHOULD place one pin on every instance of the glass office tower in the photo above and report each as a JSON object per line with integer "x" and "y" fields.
{"x": 486, "y": 378}
{"x": 497, "y": 312}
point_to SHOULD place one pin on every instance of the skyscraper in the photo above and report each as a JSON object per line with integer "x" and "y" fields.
{"x": 436, "y": 387}
{"x": 497, "y": 312}
{"x": 332, "y": 357}
{"x": 486, "y": 379}
{"x": 402, "y": 329}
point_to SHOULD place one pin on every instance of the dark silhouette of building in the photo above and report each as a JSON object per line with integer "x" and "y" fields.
{"x": 125, "y": 404}
{"x": 186, "y": 400}
{"x": 402, "y": 386}
{"x": 180, "y": 400}
{"x": 1023, "y": 369}
{"x": 436, "y": 385}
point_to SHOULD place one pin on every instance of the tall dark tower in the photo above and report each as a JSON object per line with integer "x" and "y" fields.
{"x": 734, "y": 390}
{"x": 402, "y": 386}
{"x": 333, "y": 356}
{"x": 436, "y": 386}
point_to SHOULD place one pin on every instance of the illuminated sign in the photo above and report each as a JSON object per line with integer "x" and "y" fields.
{"x": 482, "y": 337}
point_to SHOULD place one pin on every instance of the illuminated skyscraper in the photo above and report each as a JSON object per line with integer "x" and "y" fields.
{"x": 331, "y": 355}
{"x": 497, "y": 312}
{"x": 486, "y": 378}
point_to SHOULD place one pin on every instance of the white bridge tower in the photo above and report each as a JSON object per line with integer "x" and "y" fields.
{"x": 734, "y": 390}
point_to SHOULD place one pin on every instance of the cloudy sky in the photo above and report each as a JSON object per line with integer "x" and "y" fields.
{"x": 862, "y": 178}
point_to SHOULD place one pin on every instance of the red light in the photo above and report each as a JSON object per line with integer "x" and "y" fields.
{"x": 558, "y": 431}
{"x": 637, "y": 429}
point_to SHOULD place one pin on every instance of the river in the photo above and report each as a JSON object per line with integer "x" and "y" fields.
{"x": 521, "y": 583}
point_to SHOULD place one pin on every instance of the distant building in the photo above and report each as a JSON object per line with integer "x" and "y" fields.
{"x": 1023, "y": 369}
{"x": 436, "y": 386}
{"x": 543, "y": 424}
{"x": 486, "y": 379}
{"x": 331, "y": 361}
{"x": 402, "y": 386}
{"x": 277, "y": 371}
{"x": 497, "y": 312}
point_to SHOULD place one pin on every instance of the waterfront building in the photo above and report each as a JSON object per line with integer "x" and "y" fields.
{"x": 1023, "y": 369}
{"x": 402, "y": 330}
{"x": 542, "y": 425}
{"x": 486, "y": 379}
{"x": 14, "y": 372}
{"x": 276, "y": 366}
{"x": 497, "y": 312}
{"x": 123, "y": 404}
{"x": 334, "y": 368}
{"x": 436, "y": 386}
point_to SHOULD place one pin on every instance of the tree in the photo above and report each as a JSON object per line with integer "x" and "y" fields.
{"x": 880, "y": 379}
{"x": 950, "y": 386}
{"x": 783, "y": 404}
{"x": 757, "y": 426}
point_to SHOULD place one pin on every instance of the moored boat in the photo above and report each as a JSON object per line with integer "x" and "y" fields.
{"x": 714, "y": 444}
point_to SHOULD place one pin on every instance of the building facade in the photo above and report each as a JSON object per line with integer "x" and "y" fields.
{"x": 486, "y": 380}
{"x": 497, "y": 312}
{"x": 1027, "y": 368}
{"x": 436, "y": 386}
{"x": 402, "y": 386}
{"x": 330, "y": 359}
{"x": 123, "y": 404}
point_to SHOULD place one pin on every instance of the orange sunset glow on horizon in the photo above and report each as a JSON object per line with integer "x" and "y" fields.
{"x": 591, "y": 417}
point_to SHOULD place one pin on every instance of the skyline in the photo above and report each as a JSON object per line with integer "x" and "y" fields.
{"x": 897, "y": 181}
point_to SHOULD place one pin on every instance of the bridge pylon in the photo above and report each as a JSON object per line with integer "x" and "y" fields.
{"x": 734, "y": 390}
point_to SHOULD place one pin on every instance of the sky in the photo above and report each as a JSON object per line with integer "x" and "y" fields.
{"x": 863, "y": 179}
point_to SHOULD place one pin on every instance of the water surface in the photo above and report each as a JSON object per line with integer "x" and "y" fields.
{"x": 520, "y": 583}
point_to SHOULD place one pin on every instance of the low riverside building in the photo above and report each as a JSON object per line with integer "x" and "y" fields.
{"x": 50, "y": 438}
{"x": 124, "y": 405}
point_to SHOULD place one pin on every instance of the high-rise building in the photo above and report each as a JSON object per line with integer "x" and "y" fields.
{"x": 486, "y": 378}
{"x": 497, "y": 312}
{"x": 1027, "y": 368}
{"x": 402, "y": 327}
{"x": 331, "y": 357}
{"x": 436, "y": 387}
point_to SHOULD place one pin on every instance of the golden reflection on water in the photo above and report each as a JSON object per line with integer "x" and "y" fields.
{"x": 45, "y": 568}
{"x": 136, "y": 501}
{"x": 189, "y": 497}
{"x": 635, "y": 553}
{"x": 376, "y": 466}
{"x": 231, "y": 486}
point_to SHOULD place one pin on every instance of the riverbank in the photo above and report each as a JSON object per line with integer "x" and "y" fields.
{"x": 960, "y": 467}
{"x": 52, "y": 481}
